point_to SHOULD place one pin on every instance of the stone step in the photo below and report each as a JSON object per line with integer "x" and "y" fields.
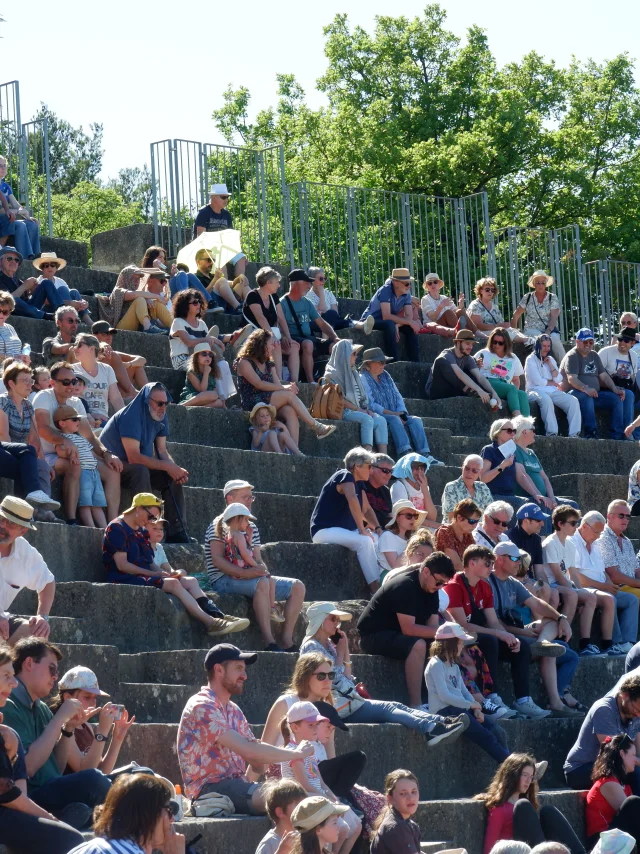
{"x": 75, "y": 252}
{"x": 81, "y": 278}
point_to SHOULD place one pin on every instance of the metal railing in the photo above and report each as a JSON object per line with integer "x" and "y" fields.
{"x": 182, "y": 173}
{"x": 613, "y": 287}
{"x": 26, "y": 147}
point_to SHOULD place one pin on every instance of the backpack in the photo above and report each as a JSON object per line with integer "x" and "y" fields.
{"x": 328, "y": 402}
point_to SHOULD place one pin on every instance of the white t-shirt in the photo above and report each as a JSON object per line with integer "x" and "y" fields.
{"x": 97, "y": 392}
{"x": 178, "y": 348}
{"x": 47, "y": 400}
{"x": 589, "y": 563}
{"x": 499, "y": 367}
{"x": 389, "y": 542}
{"x": 24, "y": 566}
{"x": 429, "y": 304}
{"x": 159, "y": 555}
{"x": 618, "y": 365}
{"x": 402, "y": 489}
{"x": 329, "y": 299}
{"x": 554, "y": 552}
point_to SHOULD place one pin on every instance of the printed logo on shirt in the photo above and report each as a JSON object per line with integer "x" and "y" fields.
{"x": 590, "y": 367}
{"x": 623, "y": 369}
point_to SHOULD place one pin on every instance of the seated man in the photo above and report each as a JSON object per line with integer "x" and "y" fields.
{"x": 401, "y": 619}
{"x": 300, "y": 313}
{"x": 26, "y": 231}
{"x": 492, "y": 528}
{"x": 392, "y": 309}
{"x": 28, "y": 294}
{"x": 128, "y": 558}
{"x": 60, "y": 347}
{"x": 454, "y": 372}
{"x": 47, "y": 737}
{"x": 584, "y": 377}
{"x": 129, "y": 370}
{"x": 547, "y": 636}
{"x": 526, "y": 535}
{"x": 226, "y": 577}
{"x": 217, "y": 750}
{"x": 620, "y": 361}
{"x": 469, "y": 593}
{"x": 377, "y": 489}
{"x": 619, "y": 610}
{"x": 21, "y": 565}
{"x": 216, "y": 217}
{"x": 326, "y": 303}
{"x": 618, "y": 554}
{"x": 212, "y": 284}
{"x": 137, "y": 437}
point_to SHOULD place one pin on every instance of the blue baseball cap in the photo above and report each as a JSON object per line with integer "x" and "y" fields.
{"x": 585, "y": 334}
{"x": 532, "y": 511}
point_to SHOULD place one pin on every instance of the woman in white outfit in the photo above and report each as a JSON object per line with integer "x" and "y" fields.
{"x": 542, "y": 375}
{"x": 541, "y": 311}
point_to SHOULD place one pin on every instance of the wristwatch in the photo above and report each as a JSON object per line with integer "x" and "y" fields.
{"x": 65, "y": 733}
{"x": 99, "y": 737}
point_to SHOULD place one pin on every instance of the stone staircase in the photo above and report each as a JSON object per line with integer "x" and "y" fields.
{"x": 149, "y": 655}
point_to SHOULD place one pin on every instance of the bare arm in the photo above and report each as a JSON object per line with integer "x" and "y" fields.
{"x": 115, "y": 398}
{"x": 255, "y": 752}
{"x": 271, "y": 729}
{"x": 349, "y": 492}
{"x": 517, "y": 314}
{"x": 620, "y": 578}
{"x": 328, "y": 330}
{"x": 216, "y": 549}
{"x": 559, "y": 575}
{"x": 246, "y": 370}
{"x": 45, "y": 599}
{"x": 409, "y": 627}
{"x": 523, "y": 479}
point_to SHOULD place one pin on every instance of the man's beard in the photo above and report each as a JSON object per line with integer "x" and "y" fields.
{"x": 233, "y": 687}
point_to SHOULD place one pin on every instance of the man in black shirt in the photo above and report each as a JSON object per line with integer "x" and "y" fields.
{"x": 29, "y": 296}
{"x": 402, "y": 617}
{"x": 215, "y": 217}
{"x": 454, "y": 372}
{"x": 220, "y": 292}
{"x": 377, "y": 489}
{"x": 526, "y": 535}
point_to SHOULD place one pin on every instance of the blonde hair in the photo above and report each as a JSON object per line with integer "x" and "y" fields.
{"x": 253, "y": 419}
{"x": 486, "y": 280}
{"x": 421, "y": 538}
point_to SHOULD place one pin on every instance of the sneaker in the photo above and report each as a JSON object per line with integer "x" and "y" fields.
{"x": 43, "y": 500}
{"x": 590, "y": 651}
{"x": 626, "y": 647}
{"x": 215, "y": 309}
{"x": 213, "y": 331}
{"x": 153, "y": 330}
{"x": 368, "y": 325}
{"x": 495, "y": 713}
{"x": 237, "y": 340}
{"x": 45, "y": 516}
{"x": 547, "y": 649}
{"x": 529, "y": 708}
{"x": 238, "y": 624}
{"x": 324, "y": 430}
{"x": 222, "y": 627}
{"x": 541, "y": 769}
{"x": 446, "y": 731}
{"x": 566, "y": 712}
{"x": 434, "y": 462}
{"x": 616, "y": 649}
{"x": 497, "y": 700}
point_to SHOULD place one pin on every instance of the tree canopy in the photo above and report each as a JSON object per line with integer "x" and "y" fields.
{"x": 412, "y": 107}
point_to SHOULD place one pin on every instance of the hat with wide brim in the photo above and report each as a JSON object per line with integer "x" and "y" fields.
{"x": 405, "y": 504}
{"x": 46, "y": 257}
{"x": 538, "y": 274}
{"x": 17, "y": 511}
{"x": 402, "y": 274}
{"x": 318, "y": 613}
{"x": 219, "y": 190}
{"x": 261, "y": 405}
{"x": 375, "y": 354}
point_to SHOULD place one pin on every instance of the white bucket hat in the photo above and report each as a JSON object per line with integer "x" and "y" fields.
{"x": 219, "y": 190}
{"x": 318, "y": 613}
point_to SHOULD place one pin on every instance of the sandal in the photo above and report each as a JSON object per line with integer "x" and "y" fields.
{"x": 578, "y": 707}
{"x": 324, "y": 430}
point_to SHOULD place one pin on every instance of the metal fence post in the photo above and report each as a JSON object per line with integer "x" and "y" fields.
{"x": 406, "y": 236}
{"x": 263, "y": 218}
{"x": 352, "y": 243}
{"x": 47, "y": 169}
{"x": 303, "y": 221}
{"x": 605, "y": 299}
{"x": 286, "y": 209}
{"x": 154, "y": 193}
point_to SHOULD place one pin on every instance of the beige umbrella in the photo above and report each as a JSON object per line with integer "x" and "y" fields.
{"x": 223, "y": 246}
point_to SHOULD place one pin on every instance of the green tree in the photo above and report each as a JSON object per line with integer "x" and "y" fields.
{"x": 88, "y": 209}
{"x": 133, "y": 185}
{"x": 74, "y": 156}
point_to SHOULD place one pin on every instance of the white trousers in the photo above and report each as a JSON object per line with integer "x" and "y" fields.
{"x": 547, "y": 399}
{"x": 362, "y": 545}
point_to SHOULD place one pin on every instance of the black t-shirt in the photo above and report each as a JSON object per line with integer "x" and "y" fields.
{"x": 253, "y": 298}
{"x": 401, "y": 595}
{"x": 204, "y": 278}
{"x": 530, "y": 543}
{"x": 211, "y": 221}
{"x": 380, "y": 501}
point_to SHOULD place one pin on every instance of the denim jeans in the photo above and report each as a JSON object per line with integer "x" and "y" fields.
{"x": 19, "y": 462}
{"x": 88, "y": 787}
{"x": 27, "y": 238}
{"x": 372, "y": 428}
{"x": 32, "y": 835}
{"x": 389, "y": 712}
{"x": 32, "y": 305}
{"x": 388, "y": 329}
{"x": 605, "y": 400}
{"x": 64, "y": 294}
{"x": 416, "y": 435}
{"x": 625, "y": 623}
{"x": 334, "y": 320}
{"x": 480, "y": 733}
{"x": 183, "y": 281}
{"x": 566, "y": 666}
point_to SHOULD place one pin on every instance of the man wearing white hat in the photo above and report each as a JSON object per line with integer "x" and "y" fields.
{"x": 215, "y": 217}
{"x": 252, "y": 582}
{"x": 21, "y": 565}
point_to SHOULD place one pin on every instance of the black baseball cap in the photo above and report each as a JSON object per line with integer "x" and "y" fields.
{"x": 227, "y": 652}
{"x": 101, "y": 327}
{"x": 328, "y": 711}
{"x": 299, "y": 276}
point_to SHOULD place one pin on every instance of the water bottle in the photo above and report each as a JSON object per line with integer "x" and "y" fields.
{"x": 26, "y": 349}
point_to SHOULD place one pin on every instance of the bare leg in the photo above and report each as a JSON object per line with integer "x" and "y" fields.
{"x": 86, "y": 517}
{"x": 588, "y": 602}
{"x": 293, "y": 362}
{"x": 240, "y": 266}
{"x": 98, "y": 517}
{"x": 448, "y": 318}
{"x": 307, "y": 359}
{"x": 288, "y": 415}
{"x": 607, "y": 606}
{"x": 277, "y": 359}
{"x": 224, "y": 290}
{"x": 121, "y": 375}
{"x": 240, "y": 284}
{"x": 286, "y": 442}
{"x": 173, "y": 587}
{"x": 414, "y": 670}
{"x": 191, "y": 586}
{"x": 262, "y": 610}
{"x": 286, "y": 397}
{"x": 292, "y": 609}
{"x": 111, "y": 482}
{"x": 569, "y": 598}
{"x": 70, "y": 486}
{"x": 205, "y": 398}
{"x": 271, "y": 444}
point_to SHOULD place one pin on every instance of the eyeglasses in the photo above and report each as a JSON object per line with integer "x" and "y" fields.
{"x": 67, "y": 383}
{"x": 5, "y": 312}
{"x": 169, "y": 811}
{"x": 573, "y": 522}
{"x": 622, "y": 515}
{"x": 53, "y": 669}
{"x": 320, "y": 279}
{"x": 223, "y": 197}
{"x": 499, "y": 522}
{"x": 72, "y": 418}
{"x": 410, "y": 515}
{"x": 439, "y": 583}
{"x": 472, "y": 521}
{"x": 489, "y": 290}
{"x": 383, "y": 469}
{"x": 510, "y": 430}
{"x": 12, "y": 259}
{"x": 323, "y": 675}
{"x": 150, "y": 515}
{"x": 159, "y": 403}
{"x": 498, "y": 343}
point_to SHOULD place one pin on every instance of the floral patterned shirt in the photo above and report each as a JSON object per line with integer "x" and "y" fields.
{"x": 202, "y": 760}
{"x": 487, "y": 315}
{"x": 456, "y": 491}
{"x": 634, "y": 486}
{"x": 536, "y": 315}
{"x": 624, "y": 559}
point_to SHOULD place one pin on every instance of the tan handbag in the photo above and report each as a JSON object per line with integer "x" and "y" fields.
{"x": 328, "y": 402}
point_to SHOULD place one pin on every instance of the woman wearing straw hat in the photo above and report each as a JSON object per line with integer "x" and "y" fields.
{"x": 48, "y": 264}
{"x": 541, "y": 311}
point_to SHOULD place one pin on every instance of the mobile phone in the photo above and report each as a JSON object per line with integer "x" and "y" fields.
{"x": 335, "y": 637}
{"x": 119, "y": 710}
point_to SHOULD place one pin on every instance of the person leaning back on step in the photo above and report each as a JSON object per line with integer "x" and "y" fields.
{"x": 454, "y": 373}
{"x": 392, "y": 309}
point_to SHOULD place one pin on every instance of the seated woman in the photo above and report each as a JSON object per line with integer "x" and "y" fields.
{"x": 200, "y": 381}
{"x": 10, "y": 343}
{"x": 392, "y": 545}
{"x": 48, "y": 264}
{"x": 410, "y": 473}
{"x": 486, "y": 315}
{"x": 468, "y": 485}
{"x": 100, "y": 380}
{"x": 262, "y": 310}
{"x": 26, "y": 235}
{"x": 610, "y": 803}
{"x": 503, "y": 369}
{"x": 543, "y": 387}
{"x": 541, "y": 311}
{"x": 499, "y": 470}
{"x": 24, "y": 826}
{"x": 385, "y": 399}
{"x": 270, "y": 435}
{"x": 512, "y": 803}
{"x": 396, "y": 831}
{"x": 439, "y": 312}
{"x": 131, "y": 309}
{"x": 327, "y": 305}
{"x": 259, "y": 382}
{"x": 454, "y": 537}
{"x": 341, "y": 370}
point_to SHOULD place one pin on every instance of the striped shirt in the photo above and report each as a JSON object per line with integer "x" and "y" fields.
{"x": 88, "y": 460}
{"x": 212, "y": 571}
{"x": 19, "y": 425}
{"x": 108, "y": 846}
{"x": 10, "y": 344}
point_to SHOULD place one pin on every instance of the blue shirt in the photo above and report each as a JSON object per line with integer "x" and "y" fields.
{"x": 134, "y": 422}
{"x": 387, "y": 294}
{"x": 504, "y": 483}
{"x": 5, "y": 188}
{"x": 306, "y": 312}
{"x": 382, "y": 393}
{"x": 332, "y": 509}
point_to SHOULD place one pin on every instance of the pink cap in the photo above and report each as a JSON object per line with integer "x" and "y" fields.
{"x": 304, "y": 711}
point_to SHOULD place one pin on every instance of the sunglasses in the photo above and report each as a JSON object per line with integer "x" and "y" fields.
{"x": 159, "y": 403}
{"x": 499, "y": 522}
{"x": 12, "y": 259}
{"x": 513, "y": 559}
{"x": 510, "y": 430}
{"x": 194, "y": 301}
{"x": 320, "y": 279}
{"x": 487, "y": 562}
{"x": 472, "y": 521}
{"x": 67, "y": 383}
{"x": 622, "y": 515}
{"x": 53, "y": 669}
{"x": 150, "y": 515}
{"x": 322, "y": 675}
{"x": 5, "y": 312}
{"x": 410, "y": 515}
{"x": 489, "y": 290}
{"x": 385, "y": 470}
{"x": 499, "y": 342}
{"x": 72, "y": 418}
{"x": 223, "y": 197}
{"x": 573, "y": 522}
{"x": 46, "y": 266}
{"x": 439, "y": 583}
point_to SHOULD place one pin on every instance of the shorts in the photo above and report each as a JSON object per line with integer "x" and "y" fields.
{"x": 91, "y": 491}
{"x": 247, "y": 586}
{"x": 51, "y": 459}
{"x": 321, "y": 347}
{"x": 238, "y": 791}
{"x": 390, "y": 644}
{"x": 15, "y": 623}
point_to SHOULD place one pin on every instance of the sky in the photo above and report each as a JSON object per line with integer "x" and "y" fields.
{"x": 155, "y": 70}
